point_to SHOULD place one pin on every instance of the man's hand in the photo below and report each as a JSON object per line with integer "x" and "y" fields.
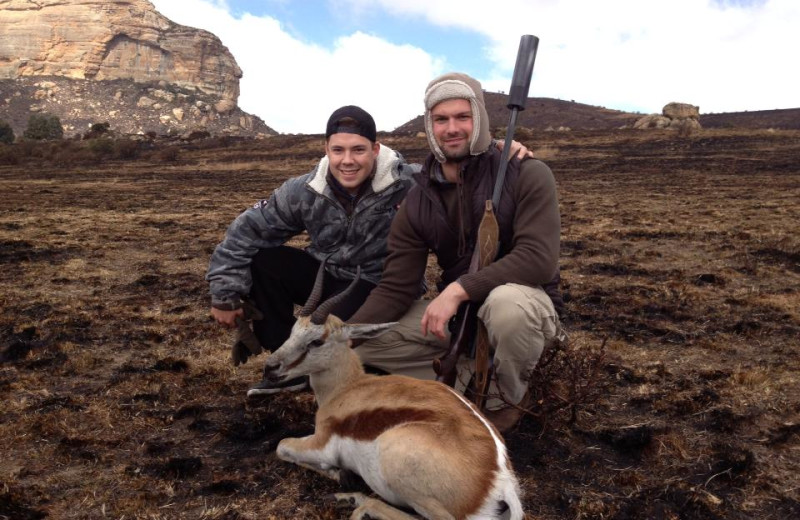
{"x": 517, "y": 148}
{"x": 226, "y": 318}
{"x": 442, "y": 308}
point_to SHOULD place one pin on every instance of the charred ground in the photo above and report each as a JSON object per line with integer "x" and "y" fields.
{"x": 680, "y": 253}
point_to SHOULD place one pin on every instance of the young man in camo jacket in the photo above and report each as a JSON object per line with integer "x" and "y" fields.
{"x": 346, "y": 204}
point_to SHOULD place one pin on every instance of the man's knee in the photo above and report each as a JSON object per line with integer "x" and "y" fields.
{"x": 513, "y": 306}
{"x": 520, "y": 320}
{"x": 388, "y": 339}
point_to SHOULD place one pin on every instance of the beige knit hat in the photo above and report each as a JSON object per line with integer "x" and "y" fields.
{"x": 455, "y": 85}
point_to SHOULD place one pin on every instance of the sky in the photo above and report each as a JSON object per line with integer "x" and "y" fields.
{"x": 303, "y": 59}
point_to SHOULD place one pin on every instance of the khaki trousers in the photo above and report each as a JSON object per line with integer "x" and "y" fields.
{"x": 521, "y": 323}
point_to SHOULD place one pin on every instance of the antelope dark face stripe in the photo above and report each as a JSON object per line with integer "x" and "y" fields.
{"x": 297, "y": 361}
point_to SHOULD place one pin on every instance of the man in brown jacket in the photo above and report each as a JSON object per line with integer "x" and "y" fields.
{"x": 441, "y": 213}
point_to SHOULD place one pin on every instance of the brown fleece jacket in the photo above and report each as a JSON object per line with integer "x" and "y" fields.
{"x": 532, "y": 259}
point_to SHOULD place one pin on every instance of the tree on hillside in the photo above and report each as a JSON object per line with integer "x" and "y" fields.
{"x": 6, "y": 133}
{"x": 97, "y": 130}
{"x": 43, "y": 126}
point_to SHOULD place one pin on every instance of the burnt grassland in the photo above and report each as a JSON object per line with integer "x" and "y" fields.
{"x": 681, "y": 265}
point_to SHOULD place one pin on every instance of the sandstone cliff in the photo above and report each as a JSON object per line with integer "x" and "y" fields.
{"x": 116, "y": 61}
{"x": 111, "y": 39}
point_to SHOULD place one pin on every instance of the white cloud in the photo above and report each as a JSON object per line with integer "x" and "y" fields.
{"x": 724, "y": 55}
{"x": 294, "y": 85}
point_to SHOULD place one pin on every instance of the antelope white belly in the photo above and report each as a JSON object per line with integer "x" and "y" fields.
{"x": 363, "y": 457}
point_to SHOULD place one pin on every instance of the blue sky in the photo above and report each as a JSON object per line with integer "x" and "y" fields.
{"x": 303, "y": 59}
{"x": 322, "y": 22}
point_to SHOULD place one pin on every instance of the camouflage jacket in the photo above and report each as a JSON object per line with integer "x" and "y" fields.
{"x": 307, "y": 203}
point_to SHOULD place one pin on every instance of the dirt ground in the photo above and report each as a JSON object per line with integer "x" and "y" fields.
{"x": 680, "y": 261}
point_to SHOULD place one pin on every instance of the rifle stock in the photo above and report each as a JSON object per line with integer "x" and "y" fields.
{"x": 460, "y": 340}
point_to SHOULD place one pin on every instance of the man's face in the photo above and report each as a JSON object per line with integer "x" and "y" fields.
{"x": 351, "y": 158}
{"x": 452, "y": 127}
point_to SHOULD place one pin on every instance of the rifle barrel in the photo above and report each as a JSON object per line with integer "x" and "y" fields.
{"x": 517, "y": 96}
{"x": 523, "y": 70}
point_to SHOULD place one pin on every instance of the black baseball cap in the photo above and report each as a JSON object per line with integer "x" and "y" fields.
{"x": 364, "y": 124}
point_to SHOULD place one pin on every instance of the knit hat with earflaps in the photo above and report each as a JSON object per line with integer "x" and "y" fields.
{"x": 455, "y": 85}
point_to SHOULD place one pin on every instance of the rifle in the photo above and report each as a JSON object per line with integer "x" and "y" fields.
{"x": 465, "y": 328}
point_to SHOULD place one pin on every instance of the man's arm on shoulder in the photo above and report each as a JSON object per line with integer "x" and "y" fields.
{"x": 533, "y": 259}
{"x": 403, "y": 272}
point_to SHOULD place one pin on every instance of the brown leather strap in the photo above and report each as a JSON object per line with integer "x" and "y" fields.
{"x": 488, "y": 243}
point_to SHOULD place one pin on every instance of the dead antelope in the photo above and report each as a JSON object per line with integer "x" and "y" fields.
{"x": 417, "y": 444}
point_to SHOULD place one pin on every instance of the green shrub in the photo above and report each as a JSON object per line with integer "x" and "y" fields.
{"x": 168, "y": 154}
{"x": 9, "y": 155}
{"x": 97, "y": 130}
{"x": 101, "y": 146}
{"x": 126, "y": 149}
{"x": 6, "y": 133}
{"x": 73, "y": 156}
{"x": 43, "y": 126}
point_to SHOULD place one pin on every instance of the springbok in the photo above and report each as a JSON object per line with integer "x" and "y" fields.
{"x": 417, "y": 444}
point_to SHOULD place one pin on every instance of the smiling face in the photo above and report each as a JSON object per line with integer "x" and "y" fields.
{"x": 351, "y": 159}
{"x": 452, "y": 127}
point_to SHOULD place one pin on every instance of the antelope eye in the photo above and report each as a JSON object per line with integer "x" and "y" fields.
{"x": 316, "y": 343}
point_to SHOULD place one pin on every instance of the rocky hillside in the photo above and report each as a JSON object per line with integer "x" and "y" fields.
{"x": 786, "y": 119}
{"x": 556, "y": 114}
{"x": 128, "y": 106}
{"x": 545, "y": 114}
{"x": 129, "y": 66}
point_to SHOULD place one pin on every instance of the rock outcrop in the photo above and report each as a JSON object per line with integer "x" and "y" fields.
{"x": 679, "y": 116}
{"x": 128, "y": 107}
{"x": 111, "y": 39}
{"x": 116, "y": 61}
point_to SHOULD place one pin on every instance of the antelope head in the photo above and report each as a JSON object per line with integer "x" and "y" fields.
{"x": 318, "y": 338}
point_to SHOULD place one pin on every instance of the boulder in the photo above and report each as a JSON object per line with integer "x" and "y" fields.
{"x": 685, "y": 125}
{"x": 224, "y": 106}
{"x": 145, "y": 102}
{"x": 164, "y": 95}
{"x": 678, "y": 116}
{"x": 681, "y": 111}
{"x": 652, "y": 121}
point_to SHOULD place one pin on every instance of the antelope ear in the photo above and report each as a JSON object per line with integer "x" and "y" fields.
{"x": 370, "y": 330}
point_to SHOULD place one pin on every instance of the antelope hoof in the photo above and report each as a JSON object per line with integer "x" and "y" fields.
{"x": 348, "y": 500}
{"x": 255, "y": 392}
{"x": 283, "y": 451}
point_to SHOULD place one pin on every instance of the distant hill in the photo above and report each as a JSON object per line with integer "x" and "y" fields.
{"x": 787, "y": 119}
{"x": 549, "y": 113}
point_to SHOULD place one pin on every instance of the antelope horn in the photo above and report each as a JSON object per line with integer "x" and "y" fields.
{"x": 316, "y": 292}
{"x": 322, "y": 312}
